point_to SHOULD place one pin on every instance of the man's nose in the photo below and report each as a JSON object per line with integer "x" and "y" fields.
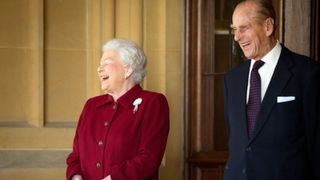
{"x": 236, "y": 36}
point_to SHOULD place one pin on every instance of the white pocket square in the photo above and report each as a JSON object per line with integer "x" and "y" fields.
{"x": 281, "y": 99}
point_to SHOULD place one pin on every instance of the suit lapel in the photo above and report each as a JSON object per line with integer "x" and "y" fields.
{"x": 240, "y": 89}
{"x": 280, "y": 78}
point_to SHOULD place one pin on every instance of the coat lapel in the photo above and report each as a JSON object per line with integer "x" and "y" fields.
{"x": 280, "y": 78}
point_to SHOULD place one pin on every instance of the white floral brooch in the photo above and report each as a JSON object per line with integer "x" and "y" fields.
{"x": 136, "y": 104}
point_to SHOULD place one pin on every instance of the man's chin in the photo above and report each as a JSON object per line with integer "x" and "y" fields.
{"x": 248, "y": 56}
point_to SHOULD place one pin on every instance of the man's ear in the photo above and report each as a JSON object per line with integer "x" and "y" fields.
{"x": 269, "y": 26}
{"x": 128, "y": 72}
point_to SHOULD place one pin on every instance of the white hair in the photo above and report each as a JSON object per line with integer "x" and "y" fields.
{"x": 131, "y": 55}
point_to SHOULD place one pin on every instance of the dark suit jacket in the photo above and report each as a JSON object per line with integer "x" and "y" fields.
{"x": 286, "y": 141}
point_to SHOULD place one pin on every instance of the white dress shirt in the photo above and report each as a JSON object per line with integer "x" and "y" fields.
{"x": 266, "y": 71}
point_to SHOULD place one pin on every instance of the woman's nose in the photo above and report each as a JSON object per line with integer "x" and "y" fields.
{"x": 99, "y": 69}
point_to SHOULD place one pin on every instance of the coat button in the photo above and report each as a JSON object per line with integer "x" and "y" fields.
{"x": 100, "y": 143}
{"x": 114, "y": 106}
{"x": 106, "y": 123}
{"x": 248, "y": 149}
{"x": 98, "y": 165}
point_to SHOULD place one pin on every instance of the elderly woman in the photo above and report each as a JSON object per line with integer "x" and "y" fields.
{"x": 123, "y": 133}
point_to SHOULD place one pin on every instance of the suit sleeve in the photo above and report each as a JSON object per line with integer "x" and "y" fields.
{"x": 155, "y": 129}
{"x": 312, "y": 117}
{"x": 225, "y": 94}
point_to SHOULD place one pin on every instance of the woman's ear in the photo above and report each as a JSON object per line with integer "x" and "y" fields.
{"x": 128, "y": 72}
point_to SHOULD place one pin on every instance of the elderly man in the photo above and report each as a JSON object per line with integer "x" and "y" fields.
{"x": 272, "y": 103}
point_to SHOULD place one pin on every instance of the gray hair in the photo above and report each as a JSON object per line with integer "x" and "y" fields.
{"x": 265, "y": 9}
{"x": 131, "y": 55}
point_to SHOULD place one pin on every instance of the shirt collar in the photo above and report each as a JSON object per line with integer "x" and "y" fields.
{"x": 125, "y": 100}
{"x": 272, "y": 57}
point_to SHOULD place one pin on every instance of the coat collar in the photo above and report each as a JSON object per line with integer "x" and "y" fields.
{"x": 125, "y": 100}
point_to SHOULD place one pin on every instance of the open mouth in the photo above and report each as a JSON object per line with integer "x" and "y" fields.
{"x": 244, "y": 45}
{"x": 105, "y": 77}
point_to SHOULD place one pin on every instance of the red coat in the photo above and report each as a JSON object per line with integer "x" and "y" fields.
{"x": 112, "y": 139}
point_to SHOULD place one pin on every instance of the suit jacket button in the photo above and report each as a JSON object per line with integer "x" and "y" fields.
{"x": 248, "y": 149}
{"x": 243, "y": 170}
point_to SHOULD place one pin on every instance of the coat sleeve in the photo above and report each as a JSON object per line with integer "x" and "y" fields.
{"x": 155, "y": 129}
{"x": 311, "y": 106}
{"x": 73, "y": 160}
